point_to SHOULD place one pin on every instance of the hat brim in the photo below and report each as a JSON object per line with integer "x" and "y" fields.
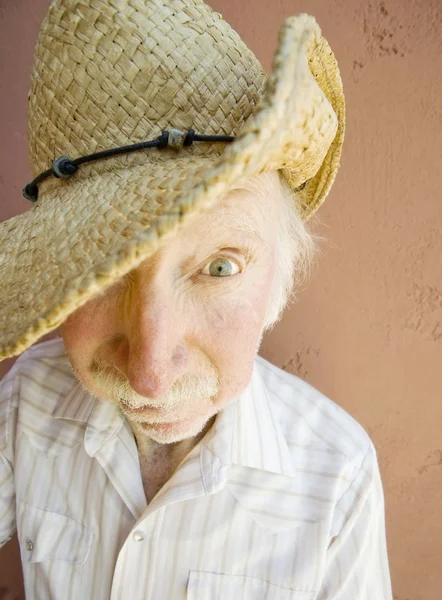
{"x": 86, "y": 232}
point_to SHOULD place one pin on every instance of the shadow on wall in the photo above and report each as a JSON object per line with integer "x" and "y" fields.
{"x": 12, "y": 587}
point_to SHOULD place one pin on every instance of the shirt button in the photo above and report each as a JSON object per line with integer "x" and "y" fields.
{"x": 138, "y": 536}
{"x": 29, "y": 545}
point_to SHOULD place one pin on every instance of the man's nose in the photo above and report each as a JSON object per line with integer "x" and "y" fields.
{"x": 158, "y": 355}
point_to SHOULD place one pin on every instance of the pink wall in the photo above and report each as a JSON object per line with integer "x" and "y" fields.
{"x": 367, "y": 331}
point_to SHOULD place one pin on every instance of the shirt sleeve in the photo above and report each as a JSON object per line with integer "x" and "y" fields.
{"x": 7, "y": 486}
{"x": 356, "y": 561}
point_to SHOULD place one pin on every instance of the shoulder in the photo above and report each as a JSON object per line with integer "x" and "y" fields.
{"x": 50, "y": 352}
{"x": 309, "y": 419}
{"x": 50, "y": 349}
{"x": 42, "y": 371}
{"x": 44, "y": 350}
{"x": 38, "y": 382}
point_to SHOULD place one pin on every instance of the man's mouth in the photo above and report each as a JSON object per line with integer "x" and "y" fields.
{"x": 147, "y": 408}
{"x": 147, "y": 411}
{"x": 166, "y": 425}
{"x": 161, "y": 425}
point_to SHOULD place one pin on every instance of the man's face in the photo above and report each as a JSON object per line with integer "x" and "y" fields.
{"x": 174, "y": 341}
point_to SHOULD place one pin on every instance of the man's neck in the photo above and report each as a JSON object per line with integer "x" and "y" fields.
{"x": 158, "y": 462}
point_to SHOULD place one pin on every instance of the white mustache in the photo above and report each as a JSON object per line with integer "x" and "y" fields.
{"x": 188, "y": 388}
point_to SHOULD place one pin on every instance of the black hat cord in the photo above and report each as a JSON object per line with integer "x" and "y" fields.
{"x": 64, "y": 167}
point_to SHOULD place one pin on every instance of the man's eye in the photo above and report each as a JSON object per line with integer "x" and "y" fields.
{"x": 221, "y": 267}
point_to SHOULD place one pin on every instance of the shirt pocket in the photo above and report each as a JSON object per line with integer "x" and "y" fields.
{"x": 213, "y": 586}
{"x": 47, "y": 536}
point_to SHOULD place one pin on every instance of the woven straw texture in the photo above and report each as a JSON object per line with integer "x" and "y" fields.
{"x": 116, "y": 72}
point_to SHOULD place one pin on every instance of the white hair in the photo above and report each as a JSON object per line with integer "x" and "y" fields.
{"x": 296, "y": 246}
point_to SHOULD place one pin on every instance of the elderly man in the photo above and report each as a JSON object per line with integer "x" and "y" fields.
{"x": 150, "y": 452}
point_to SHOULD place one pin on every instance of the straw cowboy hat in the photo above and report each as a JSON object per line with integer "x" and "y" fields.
{"x": 158, "y": 76}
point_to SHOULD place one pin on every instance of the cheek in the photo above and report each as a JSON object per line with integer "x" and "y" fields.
{"x": 84, "y": 328}
{"x": 234, "y": 346}
{"x": 251, "y": 303}
{"x": 236, "y": 319}
{"x": 232, "y": 349}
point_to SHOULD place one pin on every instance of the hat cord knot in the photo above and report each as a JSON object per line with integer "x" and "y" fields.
{"x": 64, "y": 167}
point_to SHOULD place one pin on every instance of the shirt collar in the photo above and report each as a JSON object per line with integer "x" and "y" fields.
{"x": 102, "y": 418}
{"x": 247, "y": 432}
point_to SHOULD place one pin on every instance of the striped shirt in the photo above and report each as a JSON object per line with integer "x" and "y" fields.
{"x": 280, "y": 500}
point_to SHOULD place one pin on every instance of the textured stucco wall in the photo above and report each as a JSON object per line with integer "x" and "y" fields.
{"x": 367, "y": 331}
